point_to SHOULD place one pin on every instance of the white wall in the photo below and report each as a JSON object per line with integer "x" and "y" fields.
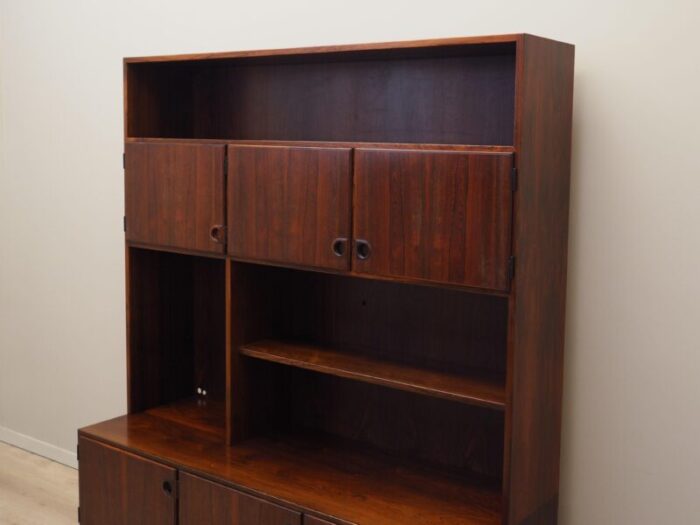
{"x": 632, "y": 394}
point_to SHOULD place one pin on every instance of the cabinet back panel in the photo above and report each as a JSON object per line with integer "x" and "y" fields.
{"x": 439, "y": 99}
{"x": 159, "y": 101}
{"x": 434, "y": 328}
{"x": 450, "y": 435}
{"x": 176, "y": 327}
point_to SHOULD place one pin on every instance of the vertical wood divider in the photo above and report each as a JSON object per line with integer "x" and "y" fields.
{"x": 129, "y": 349}
{"x": 229, "y": 350}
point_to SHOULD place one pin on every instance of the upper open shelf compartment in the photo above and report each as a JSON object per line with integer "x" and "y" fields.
{"x": 454, "y": 93}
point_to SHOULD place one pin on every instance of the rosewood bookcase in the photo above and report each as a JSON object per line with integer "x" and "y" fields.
{"x": 346, "y": 279}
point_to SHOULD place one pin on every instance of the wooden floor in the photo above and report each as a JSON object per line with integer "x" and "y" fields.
{"x": 36, "y": 491}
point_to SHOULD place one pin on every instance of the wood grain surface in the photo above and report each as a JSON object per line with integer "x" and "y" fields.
{"x": 538, "y": 300}
{"x": 438, "y": 216}
{"x": 118, "y": 488}
{"x": 476, "y": 388}
{"x": 289, "y": 205}
{"x": 205, "y": 503}
{"x": 175, "y": 195}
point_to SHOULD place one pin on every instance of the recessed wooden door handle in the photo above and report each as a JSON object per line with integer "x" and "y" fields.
{"x": 218, "y": 233}
{"x": 339, "y": 246}
{"x": 363, "y": 249}
{"x": 168, "y": 488}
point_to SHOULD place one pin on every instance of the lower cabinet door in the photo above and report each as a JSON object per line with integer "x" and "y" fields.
{"x": 118, "y": 488}
{"x": 205, "y": 503}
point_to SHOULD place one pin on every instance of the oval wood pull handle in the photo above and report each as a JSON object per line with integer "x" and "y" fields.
{"x": 338, "y": 246}
{"x": 363, "y": 249}
{"x": 218, "y": 233}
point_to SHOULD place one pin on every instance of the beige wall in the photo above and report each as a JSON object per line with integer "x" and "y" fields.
{"x": 632, "y": 393}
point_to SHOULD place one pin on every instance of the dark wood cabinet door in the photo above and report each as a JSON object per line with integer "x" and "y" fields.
{"x": 205, "y": 503}
{"x": 118, "y": 488}
{"x": 175, "y": 195}
{"x": 435, "y": 216}
{"x": 290, "y": 205}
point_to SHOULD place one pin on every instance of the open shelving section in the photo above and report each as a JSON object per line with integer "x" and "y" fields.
{"x": 346, "y": 273}
{"x": 458, "y": 94}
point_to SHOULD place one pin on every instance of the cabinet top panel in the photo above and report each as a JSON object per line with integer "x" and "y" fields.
{"x": 478, "y": 44}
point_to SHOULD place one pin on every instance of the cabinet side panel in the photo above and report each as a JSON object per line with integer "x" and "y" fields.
{"x": 537, "y": 304}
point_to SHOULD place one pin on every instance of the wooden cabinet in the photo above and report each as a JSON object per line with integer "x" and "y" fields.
{"x": 436, "y": 216}
{"x": 175, "y": 196}
{"x": 205, "y": 503}
{"x": 346, "y": 287}
{"x": 290, "y": 205}
{"x": 117, "y": 488}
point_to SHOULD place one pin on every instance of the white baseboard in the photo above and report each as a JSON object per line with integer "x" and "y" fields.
{"x": 40, "y": 448}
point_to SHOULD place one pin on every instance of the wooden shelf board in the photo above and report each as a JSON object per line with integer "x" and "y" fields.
{"x": 473, "y": 389}
{"x": 311, "y": 472}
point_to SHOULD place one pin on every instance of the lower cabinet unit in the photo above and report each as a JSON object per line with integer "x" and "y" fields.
{"x": 205, "y": 503}
{"x": 118, "y": 488}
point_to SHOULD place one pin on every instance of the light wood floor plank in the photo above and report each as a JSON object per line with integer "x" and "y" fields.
{"x": 35, "y": 490}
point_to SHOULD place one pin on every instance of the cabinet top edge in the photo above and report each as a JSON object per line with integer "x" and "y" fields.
{"x": 339, "y": 49}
